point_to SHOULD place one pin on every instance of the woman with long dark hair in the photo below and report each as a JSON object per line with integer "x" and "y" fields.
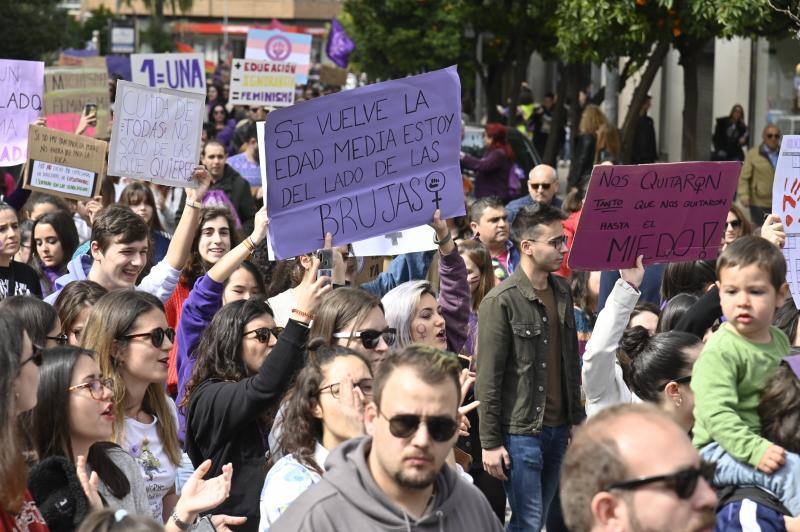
{"x": 491, "y": 170}
{"x": 240, "y": 374}
{"x": 324, "y": 408}
{"x": 72, "y": 426}
{"x": 16, "y": 278}
{"x": 39, "y": 320}
{"x": 74, "y": 304}
{"x": 55, "y": 239}
{"x": 221, "y": 124}
{"x": 19, "y": 379}
{"x": 216, "y": 237}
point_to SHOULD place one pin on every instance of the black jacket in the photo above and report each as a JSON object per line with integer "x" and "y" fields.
{"x": 222, "y": 423}
{"x": 645, "y": 149}
{"x": 582, "y": 160}
{"x": 238, "y": 191}
{"x": 726, "y": 140}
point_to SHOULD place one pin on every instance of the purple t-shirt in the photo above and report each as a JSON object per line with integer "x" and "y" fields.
{"x": 250, "y": 171}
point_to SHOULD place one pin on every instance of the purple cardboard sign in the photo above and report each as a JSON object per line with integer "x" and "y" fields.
{"x": 671, "y": 212}
{"x": 365, "y": 162}
{"x": 21, "y": 89}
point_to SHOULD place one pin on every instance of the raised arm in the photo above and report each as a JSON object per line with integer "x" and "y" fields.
{"x": 181, "y": 243}
{"x": 599, "y": 359}
{"x": 454, "y": 296}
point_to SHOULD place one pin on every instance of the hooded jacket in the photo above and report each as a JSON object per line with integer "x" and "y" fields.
{"x": 347, "y": 498}
{"x": 160, "y": 282}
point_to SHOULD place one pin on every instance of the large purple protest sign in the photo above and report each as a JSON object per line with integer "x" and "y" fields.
{"x": 670, "y": 212}
{"x": 364, "y": 163}
{"x": 21, "y": 89}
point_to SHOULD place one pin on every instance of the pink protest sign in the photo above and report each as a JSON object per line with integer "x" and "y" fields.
{"x": 671, "y": 212}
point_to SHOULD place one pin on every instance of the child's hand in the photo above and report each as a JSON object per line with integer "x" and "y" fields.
{"x": 772, "y": 460}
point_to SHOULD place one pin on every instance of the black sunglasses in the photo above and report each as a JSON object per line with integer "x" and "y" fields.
{"x": 736, "y": 224}
{"x": 683, "y": 482}
{"x": 683, "y": 380}
{"x": 262, "y": 333}
{"x": 441, "y": 428}
{"x": 36, "y": 357}
{"x": 543, "y": 186}
{"x": 370, "y": 338}
{"x": 61, "y": 339}
{"x": 156, "y": 336}
{"x": 773, "y": 135}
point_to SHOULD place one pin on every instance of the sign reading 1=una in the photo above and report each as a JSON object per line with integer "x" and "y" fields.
{"x": 185, "y": 72}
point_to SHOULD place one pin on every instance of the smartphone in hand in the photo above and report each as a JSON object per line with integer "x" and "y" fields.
{"x": 325, "y": 269}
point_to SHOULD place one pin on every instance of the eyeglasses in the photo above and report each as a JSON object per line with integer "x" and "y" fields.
{"x": 370, "y": 338}
{"x": 365, "y": 385}
{"x": 96, "y": 387}
{"x": 773, "y": 135}
{"x": 735, "y": 224}
{"x": 36, "y": 357}
{"x": 262, "y": 333}
{"x": 683, "y": 482}
{"x": 156, "y": 336}
{"x": 556, "y": 243}
{"x": 61, "y": 339}
{"x": 683, "y": 380}
{"x": 440, "y": 428}
{"x": 542, "y": 186}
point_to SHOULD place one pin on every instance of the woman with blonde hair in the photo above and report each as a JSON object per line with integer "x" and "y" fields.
{"x": 608, "y": 145}
{"x": 127, "y": 329}
{"x": 586, "y": 147}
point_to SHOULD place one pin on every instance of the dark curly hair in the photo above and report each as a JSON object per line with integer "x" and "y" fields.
{"x": 300, "y": 400}
{"x": 195, "y": 266}
{"x": 219, "y": 352}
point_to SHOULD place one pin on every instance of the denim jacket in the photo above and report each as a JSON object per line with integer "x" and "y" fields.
{"x": 512, "y": 359}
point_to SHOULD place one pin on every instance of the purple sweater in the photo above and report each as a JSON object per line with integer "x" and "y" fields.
{"x": 203, "y": 302}
{"x": 455, "y": 299}
{"x": 491, "y": 171}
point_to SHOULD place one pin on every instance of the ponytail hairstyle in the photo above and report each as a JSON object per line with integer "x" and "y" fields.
{"x": 303, "y": 398}
{"x": 674, "y": 311}
{"x": 114, "y": 316}
{"x": 13, "y": 469}
{"x": 655, "y": 360}
{"x": 779, "y": 408}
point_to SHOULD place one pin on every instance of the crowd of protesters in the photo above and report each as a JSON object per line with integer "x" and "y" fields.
{"x": 158, "y": 372}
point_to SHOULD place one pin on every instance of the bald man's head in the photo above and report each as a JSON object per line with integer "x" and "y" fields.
{"x": 626, "y": 442}
{"x": 543, "y": 183}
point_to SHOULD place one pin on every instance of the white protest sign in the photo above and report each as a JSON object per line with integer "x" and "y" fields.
{"x": 184, "y": 72}
{"x": 786, "y": 204}
{"x": 255, "y": 82}
{"x": 156, "y": 134}
{"x": 396, "y": 243}
{"x": 21, "y": 90}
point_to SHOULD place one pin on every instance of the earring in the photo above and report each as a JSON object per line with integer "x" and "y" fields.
{"x": 679, "y": 402}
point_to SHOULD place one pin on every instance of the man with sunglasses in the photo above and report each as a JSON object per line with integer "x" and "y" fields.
{"x": 758, "y": 172}
{"x": 542, "y": 189}
{"x": 632, "y": 468}
{"x": 396, "y": 478}
{"x": 528, "y": 378}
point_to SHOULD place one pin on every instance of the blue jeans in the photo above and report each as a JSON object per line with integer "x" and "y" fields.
{"x": 533, "y": 478}
{"x": 185, "y": 470}
{"x": 784, "y": 483}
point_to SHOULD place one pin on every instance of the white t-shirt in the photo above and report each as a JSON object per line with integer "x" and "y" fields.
{"x": 142, "y": 442}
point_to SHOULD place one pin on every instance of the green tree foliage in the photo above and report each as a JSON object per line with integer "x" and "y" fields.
{"x": 395, "y": 38}
{"x": 157, "y": 36}
{"x": 641, "y": 31}
{"x": 33, "y": 29}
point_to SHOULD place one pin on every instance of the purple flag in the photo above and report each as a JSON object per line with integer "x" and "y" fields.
{"x": 340, "y": 45}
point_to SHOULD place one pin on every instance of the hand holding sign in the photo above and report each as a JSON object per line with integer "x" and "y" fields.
{"x": 633, "y": 276}
{"x": 203, "y": 180}
{"x": 772, "y": 230}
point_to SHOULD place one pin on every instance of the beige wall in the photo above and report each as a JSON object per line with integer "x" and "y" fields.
{"x": 247, "y": 9}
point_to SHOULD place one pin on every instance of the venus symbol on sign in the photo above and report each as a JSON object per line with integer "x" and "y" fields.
{"x": 278, "y": 48}
{"x": 435, "y": 183}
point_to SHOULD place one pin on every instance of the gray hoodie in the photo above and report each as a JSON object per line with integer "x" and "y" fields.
{"x": 347, "y": 498}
